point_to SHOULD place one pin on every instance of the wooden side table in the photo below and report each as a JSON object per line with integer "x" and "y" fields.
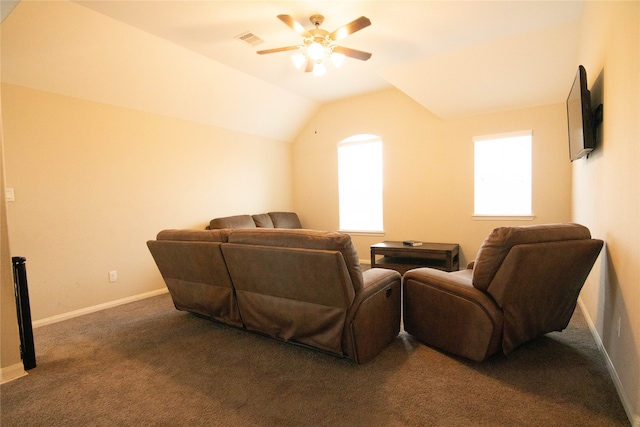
{"x": 400, "y": 257}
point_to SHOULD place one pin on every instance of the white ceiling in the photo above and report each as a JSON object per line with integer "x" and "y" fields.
{"x": 456, "y": 58}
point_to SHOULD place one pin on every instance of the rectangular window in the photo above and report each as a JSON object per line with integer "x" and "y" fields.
{"x": 502, "y": 175}
{"x": 360, "y": 185}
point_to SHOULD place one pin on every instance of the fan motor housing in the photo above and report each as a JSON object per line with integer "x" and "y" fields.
{"x": 316, "y": 20}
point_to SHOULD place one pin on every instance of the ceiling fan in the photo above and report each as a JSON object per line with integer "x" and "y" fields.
{"x": 318, "y": 42}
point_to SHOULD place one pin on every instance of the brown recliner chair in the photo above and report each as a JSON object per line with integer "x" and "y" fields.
{"x": 523, "y": 284}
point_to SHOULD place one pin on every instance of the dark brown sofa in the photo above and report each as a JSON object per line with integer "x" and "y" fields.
{"x": 266, "y": 220}
{"x": 523, "y": 284}
{"x": 300, "y": 286}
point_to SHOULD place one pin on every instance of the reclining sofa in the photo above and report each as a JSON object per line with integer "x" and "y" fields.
{"x": 523, "y": 284}
{"x": 296, "y": 285}
{"x": 266, "y": 220}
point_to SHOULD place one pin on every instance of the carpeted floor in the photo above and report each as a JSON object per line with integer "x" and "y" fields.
{"x": 147, "y": 364}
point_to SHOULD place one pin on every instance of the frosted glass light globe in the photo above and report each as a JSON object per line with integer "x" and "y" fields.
{"x": 316, "y": 51}
{"x": 319, "y": 69}
{"x": 298, "y": 59}
{"x": 336, "y": 59}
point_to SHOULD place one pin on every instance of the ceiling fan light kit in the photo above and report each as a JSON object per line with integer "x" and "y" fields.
{"x": 319, "y": 44}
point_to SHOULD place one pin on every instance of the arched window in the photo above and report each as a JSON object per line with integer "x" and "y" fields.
{"x": 360, "y": 183}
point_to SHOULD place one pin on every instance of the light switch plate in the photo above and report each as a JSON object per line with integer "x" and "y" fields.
{"x": 9, "y": 195}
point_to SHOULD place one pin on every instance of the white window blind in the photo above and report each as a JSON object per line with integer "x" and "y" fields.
{"x": 502, "y": 174}
{"x": 360, "y": 183}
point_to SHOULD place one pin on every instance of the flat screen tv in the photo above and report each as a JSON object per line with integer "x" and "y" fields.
{"x": 582, "y": 135}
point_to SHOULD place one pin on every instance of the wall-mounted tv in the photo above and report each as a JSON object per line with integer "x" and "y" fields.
{"x": 582, "y": 120}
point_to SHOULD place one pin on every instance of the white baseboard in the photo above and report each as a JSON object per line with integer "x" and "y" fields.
{"x": 12, "y": 372}
{"x": 93, "y": 309}
{"x": 628, "y": 408}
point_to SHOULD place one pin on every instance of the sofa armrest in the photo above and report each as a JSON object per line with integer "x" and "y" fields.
{"x": 373, "y": 320}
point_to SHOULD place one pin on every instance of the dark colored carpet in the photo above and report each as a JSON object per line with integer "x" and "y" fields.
{"x": 147, "y": 364}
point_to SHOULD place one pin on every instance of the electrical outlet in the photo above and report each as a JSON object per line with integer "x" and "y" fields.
{"x": 113, "y": 276}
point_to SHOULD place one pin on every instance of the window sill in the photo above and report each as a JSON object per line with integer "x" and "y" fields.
{"x": 363, "y": 233}
{"x": 503, "y": 217}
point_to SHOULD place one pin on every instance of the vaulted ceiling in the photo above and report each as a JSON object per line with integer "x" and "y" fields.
{"x": 456, "y": 58}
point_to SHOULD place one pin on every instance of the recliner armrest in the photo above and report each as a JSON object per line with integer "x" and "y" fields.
{"x": 375, "y": 280}
{"x": 375, "y": 277}
{"x": 445, "y": 311}
{"x": 373, "y": 320}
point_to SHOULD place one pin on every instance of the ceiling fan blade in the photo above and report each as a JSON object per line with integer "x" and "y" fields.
{"x": 352, "y": 53}
{"x": 277, "y": 49}
{"x": 294, "y": 25}
{"x": 309, "y": 67}
{"x": 350, "y": 28}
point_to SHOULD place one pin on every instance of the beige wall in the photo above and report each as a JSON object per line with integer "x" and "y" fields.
{"x": 606, "y": 190}
{"x": 66, "y": 48}
{"x": 94, "y": 182}
{"x": 10, "y": 362}
{"x": 428, "y": 168}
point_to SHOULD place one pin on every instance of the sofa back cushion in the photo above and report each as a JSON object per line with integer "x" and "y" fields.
{"x": 262, "y": 220}
{"x": 285, "y": 220}
{"x": 194, "y": 270}
{"x": 534, "y": 274}
{"x": 537, "y": 286}
{"x": 221, "y": 235}
{"x": 306, "y": 239}
{"x": 293, "y": 285}
{"x": 498, "y": 244}
{"x": 236, "y": 221}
